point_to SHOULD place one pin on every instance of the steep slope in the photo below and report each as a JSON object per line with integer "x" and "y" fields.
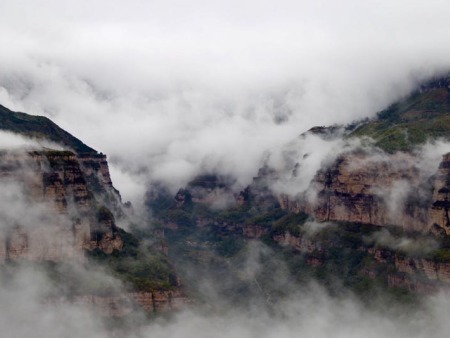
{"x": 422, "y": 116}
{"x": 377, "y": 190}
{"x": 65, "y": 216}
{"x": 60, "y": 212}
{"x": 441, "y": 197}
{"x": 40, "y": 127}
{"x": 373, "y": 216}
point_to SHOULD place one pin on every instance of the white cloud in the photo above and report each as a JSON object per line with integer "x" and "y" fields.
{"x": 170, "y": 88}
{"x": 10, "y": 141}
{"x": 33, "y": 310}
{"x": 167, "y": 89}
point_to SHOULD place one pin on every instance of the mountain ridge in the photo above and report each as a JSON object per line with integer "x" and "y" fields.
{"x": 422, "y": 116}
{"x": 65, "y": 220}
{"x": 39, "y": 127}
{"x": 351, "y": 233}
{"x": 367, "y": 202}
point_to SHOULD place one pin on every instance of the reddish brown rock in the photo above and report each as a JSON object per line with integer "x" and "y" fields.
{"x": 61, "y": 194}
{"x": 126, "y": 303}
{"x": 441, "y": 197}
{"x": 254, "y": 231}
{"x": 358, "y": 188}
{"x": 379, "y": 190}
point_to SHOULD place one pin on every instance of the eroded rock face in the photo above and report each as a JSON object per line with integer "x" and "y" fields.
{"x": 358, "y": 189}
{"x": 420, "y": 275}
{"x": 56, "y": 206}
{"x": 431, "y": 270}
{"x": 390, "y": 190}
{"x": 301, "y": 243}
{"x": 124, "y": 304}
{"x": 441, "y": 197}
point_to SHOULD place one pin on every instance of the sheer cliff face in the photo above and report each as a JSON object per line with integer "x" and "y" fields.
{"x": 360, "y": 189}
{"x": 389, "y": 190}
{"x": 441, "y": 197}
{"x": 58, "y": 206}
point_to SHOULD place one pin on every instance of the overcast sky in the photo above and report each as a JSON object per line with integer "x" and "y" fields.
{"x": 170, "y": 88}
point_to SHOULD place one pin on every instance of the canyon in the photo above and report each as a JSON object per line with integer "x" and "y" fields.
{"x": 374, "y": 215}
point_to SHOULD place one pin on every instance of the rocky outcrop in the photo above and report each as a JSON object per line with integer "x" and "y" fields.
{"x": 60, "y": 206}
{"x": 440, "y": 217}
{"x": 414, "y": 285}
{"x": 379, "y": 190}
{"x": 417, "y": 274}
{"x": 357, "y": 188}
{"x": 301, "y": 243}
{"x": 127, "y": 303}
{"x": 431, "y": 270}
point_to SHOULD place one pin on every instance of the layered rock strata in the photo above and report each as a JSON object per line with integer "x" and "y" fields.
{"x": 390, "y": 190}
{"x": 124, "y": 304}
{"x": 359, "y": 189}
{"x": 441, "y": 197}
{"x": 60, "y": 202}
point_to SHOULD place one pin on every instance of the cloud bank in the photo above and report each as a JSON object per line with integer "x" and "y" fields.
{"x": 35, "y": 304}
{"x": 10, "y": 141}
{"x": 169, "y": 89}
{"x": 309, "y": 313}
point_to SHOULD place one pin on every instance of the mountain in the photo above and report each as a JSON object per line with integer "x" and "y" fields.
{"x": 60, "y": 212}
{"x": 375, "y": 215}
{"x": 423, "y": 115}
{"x": 67, "y": 188}
{"x": 40, "y": 127}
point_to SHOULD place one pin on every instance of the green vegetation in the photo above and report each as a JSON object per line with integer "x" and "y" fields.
{"x": 230, "y": 246}
{"x": 420, "y": 117}
{"x": 233, "y": 215}
{"x": 343, "y": 264}
{"x": 267, "y": 218}
{"x": 104, "y": 214}
{"x": 442, "y": 255}
{"x": 138, "y": 266}
{"x": 243, "y": 269}
{"x": 290, "y": 222}
{"x": 40, "y": 127}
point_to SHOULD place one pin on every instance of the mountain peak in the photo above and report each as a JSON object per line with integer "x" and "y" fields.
{"x": 40, "y": 127}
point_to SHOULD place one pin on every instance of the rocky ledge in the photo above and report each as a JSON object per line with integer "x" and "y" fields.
{"x": 67, "y": 201}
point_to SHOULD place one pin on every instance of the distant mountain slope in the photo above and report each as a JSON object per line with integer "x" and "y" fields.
{"x": 40, "y": 127}
{"x": 423, "y": 115}
{"x": 344, "y": 230}
{"x": 65, "y": 222}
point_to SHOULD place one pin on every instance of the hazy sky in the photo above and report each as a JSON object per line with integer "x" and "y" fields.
{"x": 170, "y": 88}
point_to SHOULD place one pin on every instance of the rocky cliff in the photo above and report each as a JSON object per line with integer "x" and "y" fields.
{"x": 441, "y": 194}
{"x": 66, "y": 197}
{"x": 379, "y": 190}
{"x": 58, "y": 214}
{"x": 359, "y": 188}
{"x": 128, "y": 303}
{"x": 357, "y": 197}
